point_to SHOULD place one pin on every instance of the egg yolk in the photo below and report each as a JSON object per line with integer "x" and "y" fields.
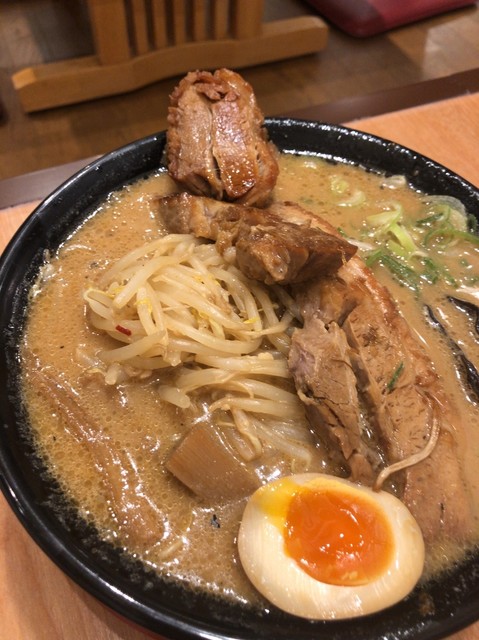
{"x": 337, "y": 538}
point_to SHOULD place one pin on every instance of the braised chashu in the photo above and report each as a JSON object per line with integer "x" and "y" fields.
{"x": 217, "y": 145}
{"x": 392, "y": 408}
{"x": 274, "y": 245}
{"x": 140, "y": 520}
{"x": 369, "y": 388}
{"x": 382, "y": 372}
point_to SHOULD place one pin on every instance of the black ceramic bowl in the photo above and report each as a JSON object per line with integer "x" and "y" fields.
{"x": 432, "y": 611}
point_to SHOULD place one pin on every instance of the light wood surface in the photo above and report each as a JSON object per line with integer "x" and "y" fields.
{"x": 446, "y": 131}
{"x": 37, "y": 602}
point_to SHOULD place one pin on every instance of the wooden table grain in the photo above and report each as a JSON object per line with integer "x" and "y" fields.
{"x": 37, "y": 601}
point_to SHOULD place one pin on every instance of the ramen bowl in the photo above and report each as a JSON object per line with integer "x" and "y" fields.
{"x": 434, "y": 609}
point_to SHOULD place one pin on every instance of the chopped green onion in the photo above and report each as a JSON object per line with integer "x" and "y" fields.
{"x": 373, "y": 257}
{"x": 404, "y": 238}
{"x": 458, "y": 220}
{"x": 383, "y": 219}
{"x": 395, "y": 377}
{"x": 386, "y": 218}
{"x": 472, "y": 223}
{"x": 404, "y": 274}
{"x": 339, "y": 185}
{"x": 397, "y": 249}
{"x": 357, "y": 197}
{"x": 429, "y": 220}
{"x": 434, "y": 271}
{"x": 449, "y": 232}
{"x": 394, "y": 182}
{"x": 447, "y": 211}
{"x": 449, "y": 278}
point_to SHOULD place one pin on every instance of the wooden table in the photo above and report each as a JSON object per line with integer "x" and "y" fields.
{"x": 37, "y": 602}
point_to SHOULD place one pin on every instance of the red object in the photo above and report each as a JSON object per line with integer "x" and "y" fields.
{"x": 362, "y": 18}
{"x": 124, "y": 330}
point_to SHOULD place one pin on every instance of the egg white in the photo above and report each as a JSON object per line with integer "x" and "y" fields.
{"x": 281, "y": 580}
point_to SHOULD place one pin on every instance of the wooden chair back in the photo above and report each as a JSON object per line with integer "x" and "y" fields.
{"x": 138, "y": 42}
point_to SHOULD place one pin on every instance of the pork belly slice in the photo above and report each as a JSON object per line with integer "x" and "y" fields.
{"x": 216, "y": 142}
{"x": 208, "y": 467}
{"x": 138, "y": 517}
{"x": 320, "y": 362}
{"x": 395, "y": 382}
{"x": 281, "y": 244}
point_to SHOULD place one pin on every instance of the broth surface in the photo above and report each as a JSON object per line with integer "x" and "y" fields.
{"x": 196, "y": 542}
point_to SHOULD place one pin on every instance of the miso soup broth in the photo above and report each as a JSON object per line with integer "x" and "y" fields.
{"x": 115, "y": 438}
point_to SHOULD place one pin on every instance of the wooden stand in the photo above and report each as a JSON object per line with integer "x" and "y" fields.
{"x": 139, "y": 42}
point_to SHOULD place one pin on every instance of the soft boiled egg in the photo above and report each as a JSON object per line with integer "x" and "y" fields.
{"x": 324, "y": 548}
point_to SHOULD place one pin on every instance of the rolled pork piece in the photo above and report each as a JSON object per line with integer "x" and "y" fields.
{"x": 277, "y": 245}
{"x": 217, "y": 145}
